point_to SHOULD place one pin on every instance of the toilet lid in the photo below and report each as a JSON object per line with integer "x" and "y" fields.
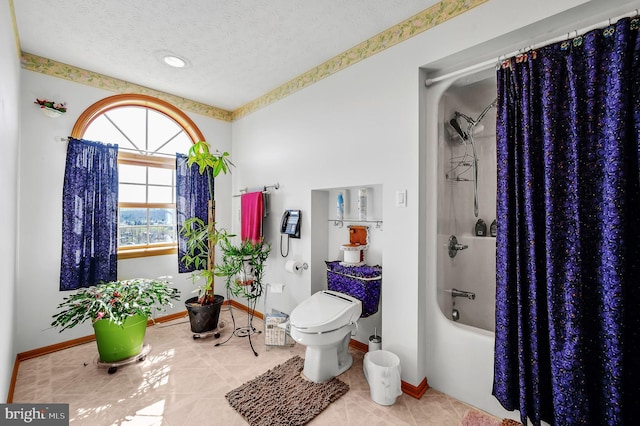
{"x": 325, "y": 311}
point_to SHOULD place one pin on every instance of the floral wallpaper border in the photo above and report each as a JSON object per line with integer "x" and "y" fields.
{"x": 90, "y": 78}
{"x": 429, "y": 18}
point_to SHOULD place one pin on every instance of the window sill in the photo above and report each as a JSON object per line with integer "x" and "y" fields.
{"x": 146, "y": 252}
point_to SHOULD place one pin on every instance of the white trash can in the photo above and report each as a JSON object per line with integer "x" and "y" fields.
{"x": 382, "y": 370}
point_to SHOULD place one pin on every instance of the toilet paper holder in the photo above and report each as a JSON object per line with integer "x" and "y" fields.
{"x": 295, "y": 266}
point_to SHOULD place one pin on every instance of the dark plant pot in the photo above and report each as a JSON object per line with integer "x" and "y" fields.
{"x": 116, "y": 343}
{"x": 204, "y": 318}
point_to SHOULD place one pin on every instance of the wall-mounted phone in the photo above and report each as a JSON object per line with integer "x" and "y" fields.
{"x": 290, "y": 224}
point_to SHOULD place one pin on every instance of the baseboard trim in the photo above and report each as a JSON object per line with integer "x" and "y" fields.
{"x": 414, "y": 391}
{"x": 242, "y": 307}
{"x": 362, "y": 347}
{"x": 23, "y": 356}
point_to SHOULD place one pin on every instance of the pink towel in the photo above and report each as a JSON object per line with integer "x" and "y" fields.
{"x": 251, "y": 216}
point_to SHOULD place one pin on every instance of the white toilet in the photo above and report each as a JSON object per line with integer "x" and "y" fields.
{"x": 323, "y": 323}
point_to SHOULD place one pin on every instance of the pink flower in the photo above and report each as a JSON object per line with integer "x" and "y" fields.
{"x": 100, "y": 315}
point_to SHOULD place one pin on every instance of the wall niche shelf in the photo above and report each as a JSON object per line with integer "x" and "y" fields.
{"x": 340, "y": 223}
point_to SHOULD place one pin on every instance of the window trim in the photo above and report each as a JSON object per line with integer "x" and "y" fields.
{"x": 129, "y": 99}
{"x": 116, "y": 101}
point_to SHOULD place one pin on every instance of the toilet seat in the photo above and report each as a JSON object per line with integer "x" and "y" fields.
{"x": 325, "y": 311}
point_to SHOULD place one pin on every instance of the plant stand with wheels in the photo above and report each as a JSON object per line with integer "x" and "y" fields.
{"x": 215, "y": 332}
{"x": 112, "y": 367}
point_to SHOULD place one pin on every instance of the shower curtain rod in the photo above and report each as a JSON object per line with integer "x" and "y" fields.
{"x": 495, "y": 62}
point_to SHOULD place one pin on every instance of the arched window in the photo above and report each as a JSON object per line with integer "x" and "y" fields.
{"x": 148, "y": 132}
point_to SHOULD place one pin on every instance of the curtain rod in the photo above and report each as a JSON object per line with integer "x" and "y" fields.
{"x": 495, "y": 62}
{"x": 121, "y": 148}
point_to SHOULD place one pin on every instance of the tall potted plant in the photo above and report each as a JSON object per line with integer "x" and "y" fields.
{"x": 119, "y": 311}
{"x": 204, "y": 309}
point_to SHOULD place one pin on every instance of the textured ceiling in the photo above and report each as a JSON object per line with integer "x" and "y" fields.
{"x": 237, "y": 50}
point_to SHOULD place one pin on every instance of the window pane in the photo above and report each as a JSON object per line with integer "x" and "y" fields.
{"x": 162, "y": 216}
{"x": 132, "y": 236}
{"x": 180, "y": 143}
{"x": 158, "y": 176}
{"x": 132, "y": 227}
{"x": 162, "y": 234}
{"x": 132, "y": 216}
{"x": 162, "y": 227}
{"x": 160, "y": 194}
{"x": 132, "y": 122}
{"x": 161, "y": 130}
{"x": 132, "y": 174}
{"x": 101, "y": 130}
{"x": 132, "y": 193}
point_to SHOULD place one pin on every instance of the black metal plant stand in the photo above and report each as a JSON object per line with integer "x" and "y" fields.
{"x": 245, "y": 331}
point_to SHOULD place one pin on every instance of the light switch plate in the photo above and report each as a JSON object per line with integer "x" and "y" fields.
{"x": 401, "y": 198}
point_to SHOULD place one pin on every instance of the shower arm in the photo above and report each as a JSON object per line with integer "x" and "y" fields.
{"x": 471, "y": 124}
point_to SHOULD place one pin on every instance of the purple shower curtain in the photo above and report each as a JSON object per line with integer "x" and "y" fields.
{"x": 567, "y": 348}
{"x": 89, "y": 214}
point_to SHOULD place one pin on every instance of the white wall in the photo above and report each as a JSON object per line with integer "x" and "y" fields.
{"x": 40, "y": 229}
{"x": 9, "y": 137}
{"x": 334, "y": 134}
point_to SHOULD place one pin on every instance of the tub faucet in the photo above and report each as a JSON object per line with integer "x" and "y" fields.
{"x": 461, "y": 293}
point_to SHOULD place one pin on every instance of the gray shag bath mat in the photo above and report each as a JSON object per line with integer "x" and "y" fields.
{"x": 281, "y": 396}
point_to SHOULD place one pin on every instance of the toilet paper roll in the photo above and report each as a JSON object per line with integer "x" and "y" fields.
{"x": 293, "y": 266}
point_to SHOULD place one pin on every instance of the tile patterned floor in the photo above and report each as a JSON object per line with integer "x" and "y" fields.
{"x": 183, "y": 382}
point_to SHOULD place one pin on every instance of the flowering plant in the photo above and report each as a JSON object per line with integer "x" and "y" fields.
{"x": 45, "y": 103}
{"x": 115, "y": 301}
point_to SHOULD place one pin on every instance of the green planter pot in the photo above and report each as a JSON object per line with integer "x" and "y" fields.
{"x": 116, "y": 343}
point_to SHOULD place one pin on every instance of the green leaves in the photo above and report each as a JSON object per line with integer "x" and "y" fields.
{"x": 197, "y": 234}
{"x": 200, "y": 154}
{"x": 243, "y": 266}
{"x": 115, "y": 301}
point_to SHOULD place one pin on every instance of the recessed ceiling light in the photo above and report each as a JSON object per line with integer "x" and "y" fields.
{"x": 174, "y": 61}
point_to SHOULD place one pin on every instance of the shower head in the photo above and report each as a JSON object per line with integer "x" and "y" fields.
{"x": 454, "y": 123}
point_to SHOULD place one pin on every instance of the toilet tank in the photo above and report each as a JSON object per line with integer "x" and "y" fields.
{"x": 362, "y": 282}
